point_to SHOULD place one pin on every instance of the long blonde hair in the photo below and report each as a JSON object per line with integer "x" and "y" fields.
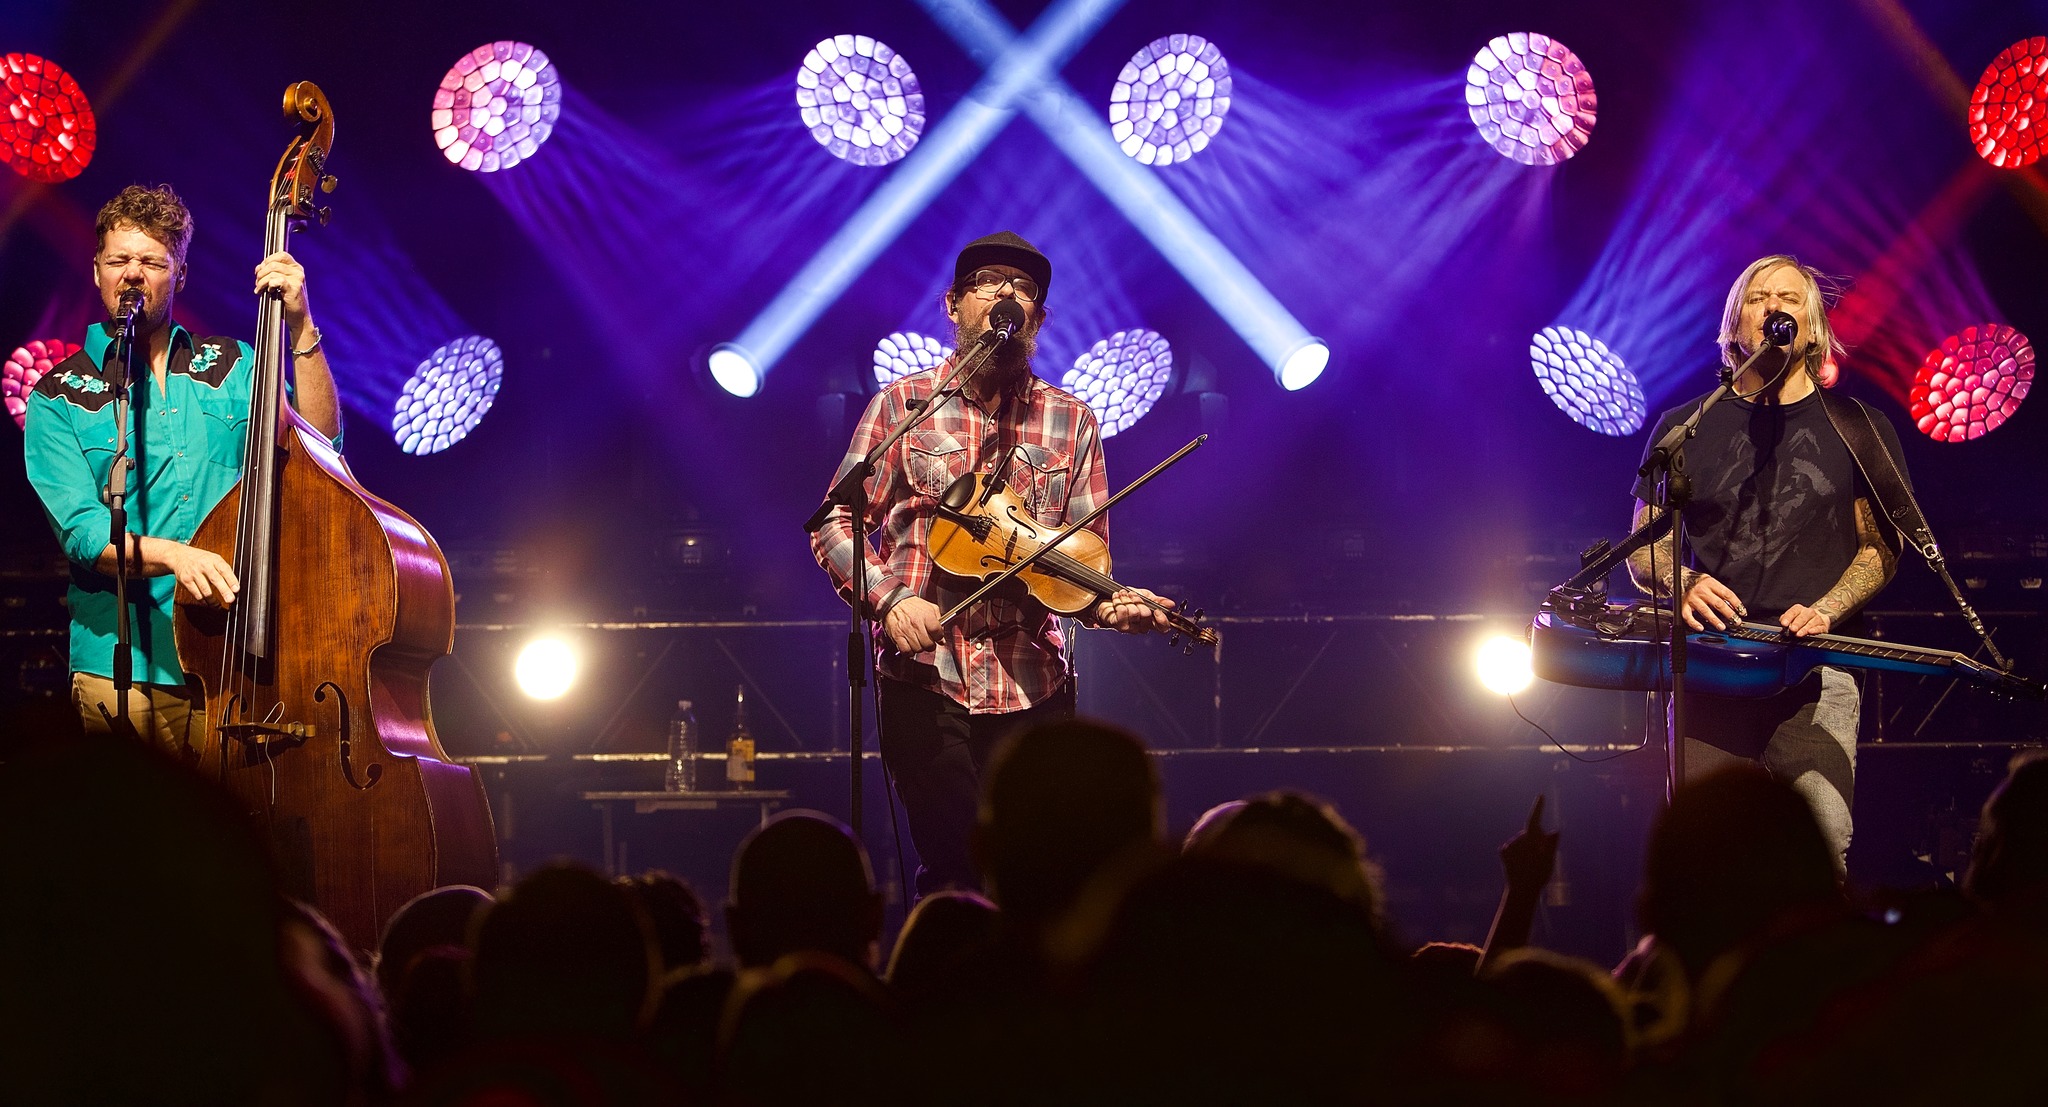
{"x": 1823, "y": 349}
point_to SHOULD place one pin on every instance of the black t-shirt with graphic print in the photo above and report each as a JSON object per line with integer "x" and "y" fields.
{"x": 1773, "y": 508}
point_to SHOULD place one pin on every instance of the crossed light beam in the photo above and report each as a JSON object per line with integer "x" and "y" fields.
{"x": 1027, "y": 77}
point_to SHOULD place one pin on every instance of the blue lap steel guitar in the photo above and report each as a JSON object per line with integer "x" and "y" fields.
{"x": 1625, "y": 648}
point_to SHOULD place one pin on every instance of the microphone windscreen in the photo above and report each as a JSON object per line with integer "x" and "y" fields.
{"x": 1780, "y": 329}
{"x": 1007, "y": 315}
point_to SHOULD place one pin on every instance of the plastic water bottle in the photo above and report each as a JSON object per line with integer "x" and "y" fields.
{"x": 682, "y": 749}
{"x": 739, "y": 749}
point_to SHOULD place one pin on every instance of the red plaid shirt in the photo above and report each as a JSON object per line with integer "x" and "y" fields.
{"x": 1002, "y": 654}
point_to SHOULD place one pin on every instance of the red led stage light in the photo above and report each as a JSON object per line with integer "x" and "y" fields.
{"x": 24, "y": 367}
{"x": 1972, "y": 383}
{"x": 1531, "y": 98}
{"x": 1121, "y": 377}
{"x": 496, "y": 106}
{"x": 2009, "y": 106}
{"x": 47, "y": 131}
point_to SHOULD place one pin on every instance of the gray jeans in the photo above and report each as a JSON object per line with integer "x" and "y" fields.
{"x": 1805, "y": 736}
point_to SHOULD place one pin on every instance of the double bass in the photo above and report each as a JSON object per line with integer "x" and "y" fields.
{"x": 313, "y": 683}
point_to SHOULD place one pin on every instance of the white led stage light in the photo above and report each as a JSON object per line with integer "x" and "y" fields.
{"x": 448, "y": 395}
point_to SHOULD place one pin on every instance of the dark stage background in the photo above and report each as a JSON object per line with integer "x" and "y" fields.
{"x": 1355, "y": 538}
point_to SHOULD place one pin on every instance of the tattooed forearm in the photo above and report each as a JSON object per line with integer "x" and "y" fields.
{"x": 1869, "y": 571}
{"x": 1659, "y": 552}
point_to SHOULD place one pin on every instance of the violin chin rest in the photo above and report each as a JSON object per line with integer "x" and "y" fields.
{"x": 959, "y": 494}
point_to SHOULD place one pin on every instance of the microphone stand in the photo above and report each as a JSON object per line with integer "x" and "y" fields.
{"x": 1666, "y": 460}
{"x": 115, "y": 495}
{"x": 851, "y": 491}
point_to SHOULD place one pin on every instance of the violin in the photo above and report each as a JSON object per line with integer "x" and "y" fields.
{"x": 983, "y": 529}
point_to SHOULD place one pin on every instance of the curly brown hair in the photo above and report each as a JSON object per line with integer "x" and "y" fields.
{"x": 156, "y": 212}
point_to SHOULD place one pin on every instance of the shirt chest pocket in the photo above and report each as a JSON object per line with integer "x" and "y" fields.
{"x": 1039, "y": 477}
{"x": 933, "y": 460}
{"x": 222, "y": 429}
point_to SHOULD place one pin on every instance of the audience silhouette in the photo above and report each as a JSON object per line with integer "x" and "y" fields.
{"x": 148, "y": 955}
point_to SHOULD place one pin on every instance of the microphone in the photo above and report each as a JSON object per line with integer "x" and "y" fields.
{"x": 1004, "y": 319}
{"x": 1779, "y": 329}
{"x": 130, "y": 308}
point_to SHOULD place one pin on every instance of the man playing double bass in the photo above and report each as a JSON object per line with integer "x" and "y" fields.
{"x": 950, "y": 691}
{"x": 190, "y": 412}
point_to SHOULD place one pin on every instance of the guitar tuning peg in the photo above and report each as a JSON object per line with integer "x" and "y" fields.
{"x": 328, "y": 182}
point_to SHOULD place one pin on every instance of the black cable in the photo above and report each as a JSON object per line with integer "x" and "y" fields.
{"x": 1517, "y": 708}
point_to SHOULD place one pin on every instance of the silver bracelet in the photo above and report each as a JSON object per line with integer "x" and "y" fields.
{"x": 318, "y": 338}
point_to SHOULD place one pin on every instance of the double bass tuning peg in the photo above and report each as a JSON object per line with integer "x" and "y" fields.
{"x": 328, "y": 182}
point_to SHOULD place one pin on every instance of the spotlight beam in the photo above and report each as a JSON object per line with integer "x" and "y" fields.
{"x": 1073, "y": 125}
{"x": 944, "y": 152}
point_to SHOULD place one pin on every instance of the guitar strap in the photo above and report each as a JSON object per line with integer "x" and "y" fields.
{"x": 1886, "y": 480}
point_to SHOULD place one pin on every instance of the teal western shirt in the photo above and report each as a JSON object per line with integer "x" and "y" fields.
{"x": 186, "y": 440}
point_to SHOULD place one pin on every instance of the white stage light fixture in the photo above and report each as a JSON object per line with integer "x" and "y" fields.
{"x": 448, "y": 395}
{"x": 905, "y": 352}
{"x": 734, "y": 370}
{"x": 1531, "y": 98}
{"x": 546, "y": 668}
{"x": 496, "y": 106}
{"x": 1121, "y": 377}
{"x": 1587, "y": 381}
{"x": 860, "y": 100}
{"x": 1170, "y": 99}
{"x": 1503, "y": 665}
{"x": 1303, "y": 365}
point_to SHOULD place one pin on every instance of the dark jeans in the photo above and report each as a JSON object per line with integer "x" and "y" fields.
{"x": 935, "y": 751}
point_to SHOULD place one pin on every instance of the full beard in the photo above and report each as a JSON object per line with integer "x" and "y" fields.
{"x": 1011, "y": 360}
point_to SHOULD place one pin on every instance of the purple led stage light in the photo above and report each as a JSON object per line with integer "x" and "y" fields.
{"x": 24, "y": 367}
{"x": 1587, "y": 381}
{"x": 1972, "y": 383}
{"x": 860, "y": 100}
{"x": 1121, "y": 377}
{"x": 47, "y": 131}
{"x": 2009, "y": 106}
{"x": 1531, "y": 98}
{"x": 1170, "y": 100}
{"x": 448, "y": 395}
{"x": 907, "y": 352}
{"x": 496, "y": 106}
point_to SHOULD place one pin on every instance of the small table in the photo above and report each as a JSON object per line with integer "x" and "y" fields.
{"x": 646, "y": 802}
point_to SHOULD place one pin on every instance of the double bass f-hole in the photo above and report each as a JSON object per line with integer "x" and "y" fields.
{"x": 346, "y": 753}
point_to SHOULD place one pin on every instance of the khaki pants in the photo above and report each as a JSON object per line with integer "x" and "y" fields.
{"x": 160, "y": 714}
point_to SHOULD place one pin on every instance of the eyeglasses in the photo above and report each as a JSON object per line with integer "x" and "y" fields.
{"x": 990, "y": 283}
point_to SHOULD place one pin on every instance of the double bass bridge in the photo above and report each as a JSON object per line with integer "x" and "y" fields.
{"x": 273, "y": 736}
{"x": 267, "y": 738}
